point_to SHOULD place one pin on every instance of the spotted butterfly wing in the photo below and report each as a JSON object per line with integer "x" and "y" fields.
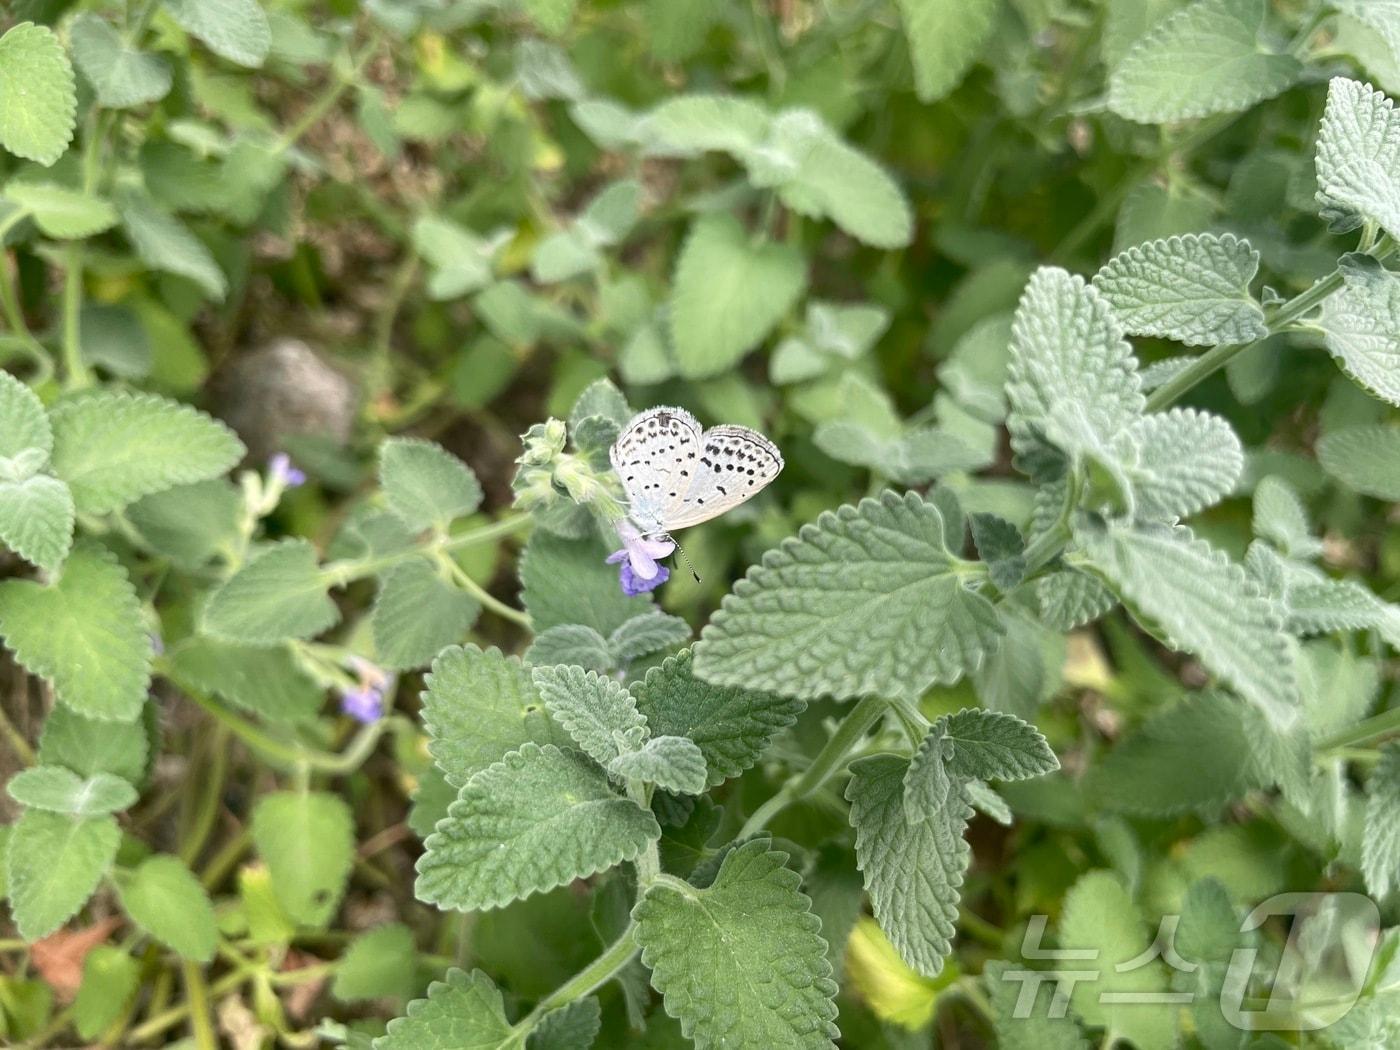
{"x": 736, "y": 464}
{"x": 656, "y": 458}
{"x": 676, "y": 476}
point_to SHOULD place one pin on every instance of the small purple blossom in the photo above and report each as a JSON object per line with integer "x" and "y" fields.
{"x": 365, "y": 702}
{"x": 633, "y": 585}
{"x": 281, "y": 472}
{"x": 363, "y": 705}
{"x": 639, "y": 571}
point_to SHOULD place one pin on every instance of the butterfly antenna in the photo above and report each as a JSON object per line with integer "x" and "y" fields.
{"x": 686, "y": 558}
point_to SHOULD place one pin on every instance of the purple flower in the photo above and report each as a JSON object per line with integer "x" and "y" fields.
{"x": 281, "y": 472}
{"x": 639, "y": 570}
{"x": 363, "y": 705}
{"x": 365, "y": 702}
{"x": 633, "y": 585}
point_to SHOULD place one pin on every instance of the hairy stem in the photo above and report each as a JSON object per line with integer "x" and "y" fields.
{"x": 596, "y": 973}
{"x": 487, "y": 600}
{"x": 830, "y": 760}
{"x": 340, "y": 573}
{"x": 291, "y": 755}
{"x": 1363, "y": 732}
{"x": 1218, "y": 357}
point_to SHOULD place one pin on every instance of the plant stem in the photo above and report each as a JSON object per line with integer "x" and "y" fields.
{"x": 76, "y": 372}
{"x": 1363, "y": 732}
{"x": 487, "y": 600}
{"x": 322, "y": 103}
{"x": 293, "y": 755}
{"x": 1108, "y": 202}
{"x": 16, "y": 738}
{"x": 340, "y": 573}
{"x": 830, "y": 760}
{"x": 1217, "y": 357}
{"x": 208, "y": 806}
{"x": 596, "y": 973}
{"x": 197, "y": 994}
{"x": 223, "y": 861}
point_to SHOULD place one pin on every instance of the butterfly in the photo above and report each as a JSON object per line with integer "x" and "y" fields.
{"x": 676, "y": 474}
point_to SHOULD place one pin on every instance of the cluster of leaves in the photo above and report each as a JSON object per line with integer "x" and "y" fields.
{"x": 994, "y": 681}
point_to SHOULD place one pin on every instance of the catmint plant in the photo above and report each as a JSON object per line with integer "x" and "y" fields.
{"x": 1021, "y": 380}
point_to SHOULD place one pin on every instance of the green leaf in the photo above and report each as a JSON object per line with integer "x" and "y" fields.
{"x": 1194, "y": 289}
{"x": 380, "y": 963}
{"x": 424, "y": 484}
{"x": 23, "y": 423}
{"x": 568, "y": 582}
{"x": 648, "y": 633}
{"x": 1203, "y": 60}
{"x": 85, "y": 633}
{"x": 539, "y": 818}
{"x": 1280, "y": 518}
{"x": 121, "y": 75}
{"x": 164, "y": 898}
{"x": 572, "y": 644}
{"x": 1320, "y": 605}
{"x": 59, "y": 790}
{"x": 38, "y": 98}
{"x": 991, "y": 745}
{"x": 553, "y": 16}
{"x": 1027, "y": 668}
{"x": 672, "y": 763}
{"x": 110, "y": 980}
{"x": 112, "y": 447}
{"x": 278, "y": 594}
{"x": 945, "y": 40}
{"x": 307, "y": 840}
{"x": 477, "y": 707}
{"x": 36, "y": 519}
{"x": 728, "y": 294}
{"x": 571, "y": 1027}
{"x": 1017, "y": 1029}
{"x": 1201, "y": 602}
{"x": 765, "y": 980}
{"x": 190, "y": 524}
{"x": 1361, "y": 325}
{"x": 913, "y": 868}
{"x": 564, "y": 255}
{"x": 237, "y": 30}
{"x": 731, "y": 725}
{"x": 266, "y": 681}
{"x": 868, "y": 600}
{"x": 1100, "y": 916}
{"x": 598, "y": 712}
{"x": 1380, "y": 844}
{"x": 417, "y": 614}
{"x": 927, "y": 785}
{"x": 54, "y": 863}
{"x": 462, "y": 1012}
{"x": 1358, "y": 156}
{"x": 820, "y": 175}
{"x": 1364, "y": 458}
{"x": 461, "y": 261}
{"x": 1072, "y": 379}
{"x": 1192, "y": 756}
{"x": 165, "y": 243}
{"x": 1179, "y": 462}
{"x": 1001, "y": 548}
{"x": 1069, "y": 599}
{"x": 61, "y": 212}
{"x": 691, "y": 124}
{"x": 89, "y": 747}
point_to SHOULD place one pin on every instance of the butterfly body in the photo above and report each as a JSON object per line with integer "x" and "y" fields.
{"x": 677, "y": 474}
